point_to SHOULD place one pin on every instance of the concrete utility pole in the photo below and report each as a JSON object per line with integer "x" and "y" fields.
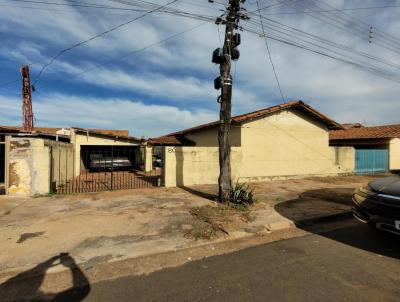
{"x": 224, "y": 57}
{"x": 27, "y": 112}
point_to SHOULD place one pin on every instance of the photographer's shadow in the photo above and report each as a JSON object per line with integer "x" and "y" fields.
{"x": 26, "y": 286}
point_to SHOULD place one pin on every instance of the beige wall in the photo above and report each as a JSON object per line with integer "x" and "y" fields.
{"x": 79, "y": 140}
{"x": 280, "y": 146}
{"x": 209, "y": 137}
{"x": 148, "y": 158}
{"x": 285, "y": 145}
{"x": 30, "y": 165}
{"x": 7, "y": 162}
{"x": 394, "y": 154}
{"x": 345, "y": 159}
{"x": 185, "y": 166}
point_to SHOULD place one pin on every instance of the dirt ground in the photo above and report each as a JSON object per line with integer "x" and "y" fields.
{"x": 111, "y": 226}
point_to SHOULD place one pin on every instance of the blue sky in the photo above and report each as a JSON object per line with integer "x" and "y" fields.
{"x": 169, "y": 86}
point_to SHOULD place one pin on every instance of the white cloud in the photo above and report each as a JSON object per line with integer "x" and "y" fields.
{"x": 60, "y": 110}
{"x": 181, "y": 71}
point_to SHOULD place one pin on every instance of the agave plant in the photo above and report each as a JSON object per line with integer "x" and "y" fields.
{"x": 241, "y": 194}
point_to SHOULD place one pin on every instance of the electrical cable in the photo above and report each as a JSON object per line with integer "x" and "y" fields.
{"x": 95, "y": 37}
{"x": 269, "y": 54}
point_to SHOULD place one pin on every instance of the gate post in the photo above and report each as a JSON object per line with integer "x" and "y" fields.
{"x": 169, "y": 167}
{"x": 148, "y": 158}
{"x": 112, "y": 168}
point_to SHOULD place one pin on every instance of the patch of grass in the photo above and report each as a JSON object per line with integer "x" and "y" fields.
{"x": 44, "y": 195}
{"x": 213, "y": 221}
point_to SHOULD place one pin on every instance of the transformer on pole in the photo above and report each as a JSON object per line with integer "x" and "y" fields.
{"x": 27, "y": 111}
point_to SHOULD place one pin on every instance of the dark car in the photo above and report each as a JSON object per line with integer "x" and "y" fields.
{"x": 378, "y": 204}
{"x": 110, "y": 163}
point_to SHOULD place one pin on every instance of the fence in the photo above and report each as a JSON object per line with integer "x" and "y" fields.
{"x": 104, "y": 168}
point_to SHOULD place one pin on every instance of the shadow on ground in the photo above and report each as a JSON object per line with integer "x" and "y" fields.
{"x": 202, "y": 194}
{"x": 356, "y": 235}
{"x": 26, "y": 286}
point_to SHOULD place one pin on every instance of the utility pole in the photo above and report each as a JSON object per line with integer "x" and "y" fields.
{"x": 27, "y": 112}
{"x": 224, "y": 57}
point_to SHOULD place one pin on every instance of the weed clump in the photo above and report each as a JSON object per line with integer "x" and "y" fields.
{"x": 241, "y": 196}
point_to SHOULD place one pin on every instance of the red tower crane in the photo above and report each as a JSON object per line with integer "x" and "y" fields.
{"x": 27, "y": 112}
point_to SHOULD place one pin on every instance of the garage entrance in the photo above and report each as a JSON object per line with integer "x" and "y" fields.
{"x": 105, "y": 168}
{"x": 370, "y": 161}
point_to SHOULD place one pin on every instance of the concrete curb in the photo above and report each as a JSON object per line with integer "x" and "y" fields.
{"x": 324, "y": 219}
{"x": 60, "y": 280}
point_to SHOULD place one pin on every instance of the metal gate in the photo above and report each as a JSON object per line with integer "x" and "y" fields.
{"x": 104, "y": 168}
{"x": 370, "y": 161}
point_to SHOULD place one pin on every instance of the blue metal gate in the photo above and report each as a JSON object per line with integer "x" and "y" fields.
{"x": 370, "y": 161}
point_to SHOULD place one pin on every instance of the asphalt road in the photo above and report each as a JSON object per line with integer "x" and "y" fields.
{"x": 355, "y": 263}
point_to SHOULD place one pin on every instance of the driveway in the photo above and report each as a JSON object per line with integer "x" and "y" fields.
{"x": 115, "y": 226}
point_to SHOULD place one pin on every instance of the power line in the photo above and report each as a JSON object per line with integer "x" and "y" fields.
{"x": 64, "y": 10}
{"x": 370, "y": 69}
{"x": 120, "y": 57}
{"x": 335, "y": 10}
{"x": 95, "y": 37}
{"x": 178, "y": 13}
{"x": 286, "y": 41}
{"x": 294, "y": 32}
{"x": 337, "y": 21}
{"x": 75, "y": 4}
{"x": 269, "y": 53}
{"x": 358, "y": 20}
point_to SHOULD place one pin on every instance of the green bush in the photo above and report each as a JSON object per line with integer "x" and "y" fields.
{"x": 241, "y": 195}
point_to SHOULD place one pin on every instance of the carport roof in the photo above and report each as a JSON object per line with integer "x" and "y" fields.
{"x": 105, "y": 134}
{"x": 175, "y": 138}
{"x": 53, "y": 130}
{"x": 377, "y": 132}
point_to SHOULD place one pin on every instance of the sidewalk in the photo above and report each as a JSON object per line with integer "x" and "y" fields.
{"x": 116, "y": 226}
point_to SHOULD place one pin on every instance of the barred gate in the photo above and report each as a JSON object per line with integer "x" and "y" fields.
{"x": 104, "y": 168}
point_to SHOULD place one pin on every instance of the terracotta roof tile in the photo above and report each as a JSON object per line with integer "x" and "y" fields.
{"x": 172, "y": 140}
{"x": 389, "y": 131}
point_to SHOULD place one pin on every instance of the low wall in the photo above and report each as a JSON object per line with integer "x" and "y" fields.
{"x": 30, "y": 164}
{"x": 186, "y": 166}
{"x": 345, "y": 159}
{"x": 394, "y": 154}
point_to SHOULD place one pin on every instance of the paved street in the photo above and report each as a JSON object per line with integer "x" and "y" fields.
{"x": 112, "y": 226}
{"x": 355, "y": 263}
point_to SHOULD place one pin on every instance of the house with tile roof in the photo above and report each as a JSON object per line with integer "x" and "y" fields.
{"x": 377, "y": 148}
{"x": 285, "y": 141}
{"x": 71, "y": 160}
